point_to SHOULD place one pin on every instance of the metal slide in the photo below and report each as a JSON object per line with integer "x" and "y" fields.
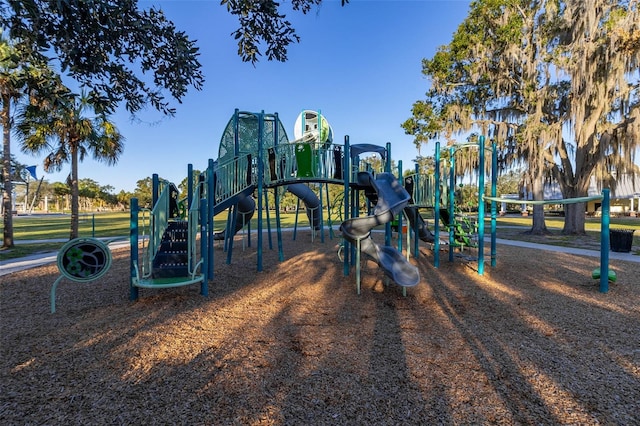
{"x": 416, "y": 219}
{"x": 244, "y": 213}
{"x": 310, "y": 200}
{"x": 247, "y": 206}
{"x": 392, "y": 199}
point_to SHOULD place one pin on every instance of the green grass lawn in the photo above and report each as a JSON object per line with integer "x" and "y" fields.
{"x": 29, "y": 230}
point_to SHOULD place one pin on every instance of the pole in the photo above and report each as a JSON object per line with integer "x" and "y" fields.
{"x": 133, "y": 241}
{"x": 481, "y": 209}
{"x": 436, "y": 210}
{"x": 604, "y": 242}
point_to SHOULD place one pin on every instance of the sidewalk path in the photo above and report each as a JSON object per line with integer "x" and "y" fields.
{"x": 628, "y": 257}
{"x": 10, "y": 266}
{"x": 14, "y": 265}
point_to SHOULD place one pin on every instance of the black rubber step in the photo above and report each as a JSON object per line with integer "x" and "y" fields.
{"x": 171, "y": 271}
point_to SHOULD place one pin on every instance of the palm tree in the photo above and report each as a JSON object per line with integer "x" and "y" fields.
{"x": 11, "y": 89}
{"x": 60, "y": 127}
{"x": 20, "y": 76}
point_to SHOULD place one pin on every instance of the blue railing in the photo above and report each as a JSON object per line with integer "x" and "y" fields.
{"x": 194, "y": 223}
{"x": 302, "y": 161}
{"x": 158, "y": 222}
{"x": 233, "y": 177}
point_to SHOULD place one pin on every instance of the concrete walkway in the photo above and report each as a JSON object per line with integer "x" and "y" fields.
{"x": 20, "y": 264}
{"x": 10, "y": 266}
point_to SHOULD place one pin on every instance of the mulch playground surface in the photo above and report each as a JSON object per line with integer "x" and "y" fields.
{"x": 532, "y": 341}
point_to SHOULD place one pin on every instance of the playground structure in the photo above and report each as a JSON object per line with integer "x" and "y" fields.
{"x": 493, "y": 199}
{"x": 256, "y": 157}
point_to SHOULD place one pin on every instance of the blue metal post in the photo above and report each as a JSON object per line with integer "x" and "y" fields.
{"x": 208, "y": 220}
{"x": 266, "y": 203}
{"x": 189, "y": 186}
{"x": 481, "y": 206}
{"x": 494, "y": 205}
{"x": 436, "y": 210}
{"x": 133, "y": 241}
{"x": 204, "y": 249}
{"x": 387, "y": 168}
{"x": 278, "y": 225}
{"x": 346, "y": 171}
{"x": 259, "y": 183}
{"x": 155, "y": 189}
{"x": 604, "y": 242}
{"x": 416, "y": 239}
{"x": 400, "y": 214}
{"x": 452, "y": 193}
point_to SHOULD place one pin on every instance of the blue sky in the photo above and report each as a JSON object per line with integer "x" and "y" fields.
{"x": 360, "y": 65}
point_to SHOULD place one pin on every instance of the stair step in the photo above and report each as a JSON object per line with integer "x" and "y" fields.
{"x": 171, "y": 270}
{"x": 179, "y": 224}
{"x": 170, "y": 258}
{"x": 172, "y": 246}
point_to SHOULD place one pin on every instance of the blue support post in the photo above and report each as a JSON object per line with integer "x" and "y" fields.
{"x": 278, "y": 225}
{"x": 481, "y": 209}
{"x": 452, "y": 200}
{"x": 400, "y": 214}
{"x": 436, "y": 210}
{"x": 266, "y": 203}
{"x": 346, "y": 171}
{"x": 208, "y": 220}
{"x": 387, "y": 168}
{"x": 494, "y": 205}
{"x": 155, "y": 189}
{"x": 259, "y": 183}
{"x": 133, "y": 241}
{"x": 320, "y": 213}
{"x": 416, "y": 239}
{"x": 204, "y": 249}
{"x": 189, "y": 185}
{"x": 604, "y": 242}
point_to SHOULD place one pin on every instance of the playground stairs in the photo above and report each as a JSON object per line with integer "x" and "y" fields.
{"x": 172, "y": 258}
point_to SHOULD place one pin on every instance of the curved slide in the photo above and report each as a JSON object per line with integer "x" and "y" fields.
{"x": 392, "y": 198}
{"x": 310, "y": 200}
{"x": 416, "y": 219}
{"x": 247, "y": 206}
{"x": 244, "y": 213}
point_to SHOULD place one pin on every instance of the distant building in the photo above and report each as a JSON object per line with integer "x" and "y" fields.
{"x": 625, "y": 197}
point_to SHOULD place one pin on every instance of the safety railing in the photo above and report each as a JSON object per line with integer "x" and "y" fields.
{"x": 193, "y": 227}
{"x": 422, "y": 189}
{"x": 158, "y": 222}
{"x": 233, "y": 177}
{"x": 302, "y": 161}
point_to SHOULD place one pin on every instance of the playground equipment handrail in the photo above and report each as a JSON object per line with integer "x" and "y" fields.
{"x": 423, "y": 193}
{"x": 159, "y": 223}
{"x": 301, "y": 161}
{"x": 227, "y": 173}
{"x": 193, "y": 226}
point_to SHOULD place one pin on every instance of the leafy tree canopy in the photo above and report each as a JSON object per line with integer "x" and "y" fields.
{"x": 119, "y": 52}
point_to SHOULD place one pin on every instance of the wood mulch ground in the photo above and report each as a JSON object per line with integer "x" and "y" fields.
{"x": 532, "y": 341}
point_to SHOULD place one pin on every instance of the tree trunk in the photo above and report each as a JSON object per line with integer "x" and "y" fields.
{"x": 75, "y": 199}
{"x": 539, "y": 226}
{"x": 574, "y": 219}
{"x": 7, "y": 215}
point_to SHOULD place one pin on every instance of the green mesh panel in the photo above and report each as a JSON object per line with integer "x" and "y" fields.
{"x": 248, "y": 127}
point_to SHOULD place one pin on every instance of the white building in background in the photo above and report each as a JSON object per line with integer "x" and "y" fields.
{"x": 625, "y": 197}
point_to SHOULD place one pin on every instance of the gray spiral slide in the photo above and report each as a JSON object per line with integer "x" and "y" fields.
{"x": 310, "y": 200}
{"x": 392, "y": 198}
{"x": 244, "y": 213}
{"x": 416, "y": 221}
{"x": 247, "y": 206}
